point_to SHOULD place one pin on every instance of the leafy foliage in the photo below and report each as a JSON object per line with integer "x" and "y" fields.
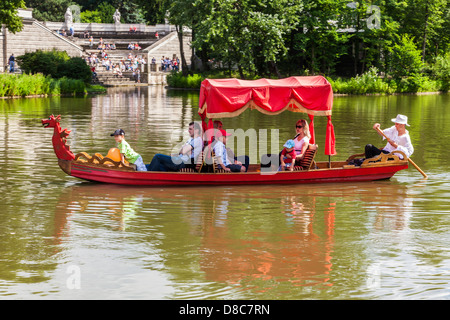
{"x": 91, "y": 16}
{"x": 75, "y": 68}
{"x": 403, "y": 39}
{"x": 56, "y": 64}
{"x": 49, "y": 10}
{"x": 38, "y": 84}
{"x": 41, "y": 61}
{"x": 8, "y": 14}
{"x": 406, "y": 58}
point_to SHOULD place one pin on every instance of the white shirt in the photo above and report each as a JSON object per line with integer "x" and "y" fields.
{"x": 197, "y": 146}
{"x": 299, "y": 144}
{"x": 403, "y": 142}
{"x": 221, "y": 151}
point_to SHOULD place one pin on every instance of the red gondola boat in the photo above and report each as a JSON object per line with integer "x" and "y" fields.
{"x": 229, "y": 98}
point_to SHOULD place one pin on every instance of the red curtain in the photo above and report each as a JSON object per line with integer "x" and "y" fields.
{"x": 311, "y": 129}
{"x": 227, "y": 97}
{"x": 203, "y": 117}
{"x": 330, "y": 141}
{"x": 210, "y": 131}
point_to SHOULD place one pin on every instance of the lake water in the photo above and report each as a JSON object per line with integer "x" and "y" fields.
{"x": 62, "y": 238}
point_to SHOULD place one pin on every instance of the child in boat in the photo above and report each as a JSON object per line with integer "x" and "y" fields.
{"x": 287, "y": 156}
{"x": 126, "y": 152}
{"x": 220, "y": 151}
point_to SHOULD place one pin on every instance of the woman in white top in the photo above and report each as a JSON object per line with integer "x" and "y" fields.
{"x": 301, "y": 139}
{"x": 398, "y": 139}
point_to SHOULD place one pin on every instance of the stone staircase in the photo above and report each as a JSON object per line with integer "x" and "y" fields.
{"x": 107, "y": 78}
{"x": 169, "y": 47}
{"x": 121, "y": 43}
{"x": 34, "y": 36}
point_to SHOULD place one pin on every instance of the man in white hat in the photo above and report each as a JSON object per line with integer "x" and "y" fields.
{"x": 398, "y": 139}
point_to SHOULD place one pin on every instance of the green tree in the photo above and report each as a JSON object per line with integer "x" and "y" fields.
{"x": 131, "y": 12}
{"x": 41, "y": 61}
{"x": 406, "y": 58}
{"x": 75, "y": 68}
{"x": 56, "y": 64}
{"x": 8, "y": 14}
{"x": 182, "y": 13}
{"x": 90, "y": 16}
{"x": 423, "y": 20}
{"x": 153, "y": 11}
{"x": 318, "y": 41}
{"x": 441, "y": 70}
{"x": 242, "y": 33}
{"x": 106, "y": 12}
{"x": 49, "y": 10}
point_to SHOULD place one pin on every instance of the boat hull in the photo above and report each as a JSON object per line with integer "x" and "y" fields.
{"x": 136, "y": 178}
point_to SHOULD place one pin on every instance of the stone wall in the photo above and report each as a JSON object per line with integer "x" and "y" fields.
{"x": 33, "y": 36}
{"x": 170, "y": 46}
{"x": 109, "y": 27}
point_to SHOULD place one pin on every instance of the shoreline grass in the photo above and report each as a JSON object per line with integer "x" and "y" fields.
{"x": 367, "y": 83}
{"x": 24, "y": 85}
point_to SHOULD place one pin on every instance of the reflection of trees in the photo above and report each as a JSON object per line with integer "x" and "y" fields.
{"x": 120, "y": 207}
{"x": 25, "y": 253}
{"x": 253, "y": 235}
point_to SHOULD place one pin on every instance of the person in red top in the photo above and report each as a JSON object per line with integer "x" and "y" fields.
{"x": 287, "y": 156}
{"x": 94, "y": 74}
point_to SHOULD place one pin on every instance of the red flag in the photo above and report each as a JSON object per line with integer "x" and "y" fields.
{"x": 330, "y": 141}
{"x": 311, "y": 129}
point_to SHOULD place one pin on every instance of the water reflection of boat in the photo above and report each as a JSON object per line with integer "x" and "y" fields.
{"x": 229, "y": 98}
{"x": 266, "y": 236}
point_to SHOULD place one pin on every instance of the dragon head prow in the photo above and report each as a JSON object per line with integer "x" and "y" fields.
{"x": 51, "y": 121}
{"x": 62, "y": 150}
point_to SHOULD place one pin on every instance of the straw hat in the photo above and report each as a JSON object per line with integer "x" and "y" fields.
{"x": 401, "y": 119}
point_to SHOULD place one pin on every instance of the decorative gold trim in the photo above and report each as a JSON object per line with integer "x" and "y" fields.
{"x": 293, "y": 106}
{"x": 98, "y": 159}
{"x": 383, "y": 160}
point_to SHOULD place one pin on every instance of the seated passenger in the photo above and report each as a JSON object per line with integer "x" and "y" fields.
{"x": 301, "y": 139}
{"x": 222, "y": 156}
{"x": 287, "y": 156}
{"x": 241, "y": 160}
{"x": 186, "y": 157}
{"x": 126, "y": 152}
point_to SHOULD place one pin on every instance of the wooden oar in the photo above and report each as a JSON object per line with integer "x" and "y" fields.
{"x": 410, "y": 161}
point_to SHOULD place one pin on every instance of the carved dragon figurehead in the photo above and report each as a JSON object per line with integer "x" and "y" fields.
{"x": 62, "y": 150}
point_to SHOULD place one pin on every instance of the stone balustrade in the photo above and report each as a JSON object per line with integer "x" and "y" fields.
{"x": 109, "y": 27}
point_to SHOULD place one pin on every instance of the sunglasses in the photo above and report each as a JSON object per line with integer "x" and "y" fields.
{"x": 299, "y": 127}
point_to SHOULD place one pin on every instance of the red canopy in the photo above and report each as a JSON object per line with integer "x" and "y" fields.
{"x": 224, "y": 98}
